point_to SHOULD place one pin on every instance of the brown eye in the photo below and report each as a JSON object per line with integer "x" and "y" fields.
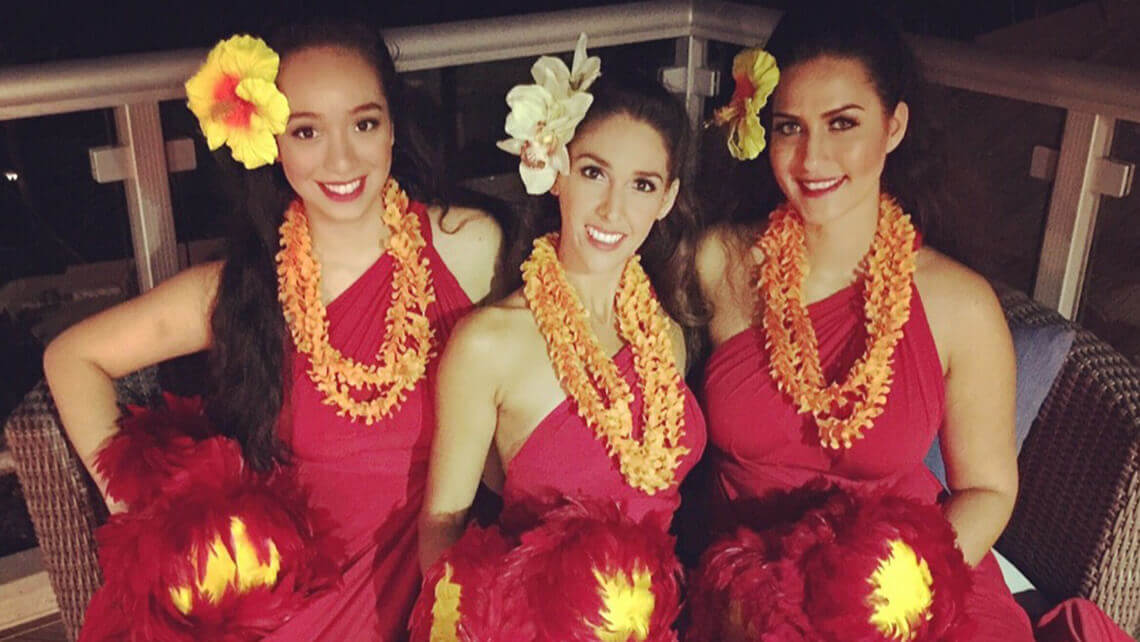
{"x": 843, "y": 123}
{"x": 591, "y": 171}
{"x": 786, "y": 128}
{"x": 367, "y": 125}
{"x": 304, "y": 132}
{"x": 645, "y": 185}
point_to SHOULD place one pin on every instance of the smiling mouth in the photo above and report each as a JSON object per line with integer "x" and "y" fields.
{"x": 820, "y": 187}
{"x": 604, "y": 239}
{"x": 343, "y": 191}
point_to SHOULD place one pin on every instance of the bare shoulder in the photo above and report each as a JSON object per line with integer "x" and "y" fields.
{"x": 468, "y": 225}
{"x": 947, "y": 285}
{"x": 715, "y": 251}
{"x": 469, "y": 242}
{"x": 726, "y": 261}
{"x": 488, "y": 334}
{"x": 961, "y": 307}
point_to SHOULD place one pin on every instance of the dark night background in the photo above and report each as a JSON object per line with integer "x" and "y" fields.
{"x": 43, "y": 31}
{"x": 55, "y": 217}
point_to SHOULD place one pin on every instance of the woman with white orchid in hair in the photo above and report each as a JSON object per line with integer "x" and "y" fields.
{"x": 579, "y": 415}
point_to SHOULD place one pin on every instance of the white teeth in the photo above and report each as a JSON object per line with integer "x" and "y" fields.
{"x": 816, "y": 186}
{"x": 342, "y": 188}
{"x": 598, "y": 235}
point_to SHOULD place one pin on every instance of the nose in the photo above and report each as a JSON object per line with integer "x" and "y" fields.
{"x": 341, "y": 155}
{"x": 814, "y": 150}
{"x": 608, "y": 204}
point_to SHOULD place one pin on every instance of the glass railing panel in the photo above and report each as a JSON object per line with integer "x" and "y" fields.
{"x": 997, "y": 216}
{"x": 65, "y": 253}
{"x": 197, "y": 196}
{"x": 1110, "y": 300}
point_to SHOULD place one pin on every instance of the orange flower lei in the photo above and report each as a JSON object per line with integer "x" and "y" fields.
{"x": 402, "y": 356}
{"x": 603, "y": 396}
{"x": 842, "y": 410}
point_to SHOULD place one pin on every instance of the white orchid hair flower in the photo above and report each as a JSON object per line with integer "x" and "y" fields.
{"x": 544, "y": 115}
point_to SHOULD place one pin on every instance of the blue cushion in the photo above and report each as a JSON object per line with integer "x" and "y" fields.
{"x": 1040, "y": 354}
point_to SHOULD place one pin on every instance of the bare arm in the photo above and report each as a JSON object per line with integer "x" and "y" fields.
{"x": 977, "y": 435}
{"x": 467, "y": 411}
{"x": 80, "y": 364}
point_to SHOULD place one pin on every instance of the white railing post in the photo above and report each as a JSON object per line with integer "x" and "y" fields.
{"x": 1072, "y": 211}
{"x": 148, "y": 193}
{"x": 689, "y": 78}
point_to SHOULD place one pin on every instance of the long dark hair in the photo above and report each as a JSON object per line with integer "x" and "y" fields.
{"x": 248, "y": 364}
{"x": 917, "y": 170}
{"x": 668, "y": 252}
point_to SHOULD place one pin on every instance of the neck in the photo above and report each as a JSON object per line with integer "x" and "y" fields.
{"x": 596, "y": 292}
{"x": 346, "y": 241}
{"x": 835, "y": 249}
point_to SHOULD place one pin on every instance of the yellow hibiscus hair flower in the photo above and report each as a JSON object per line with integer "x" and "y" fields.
{"x": 755, "y": 73}
{"x": 236, "y": 101}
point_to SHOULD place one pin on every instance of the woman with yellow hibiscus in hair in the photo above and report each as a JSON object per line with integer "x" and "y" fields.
{"x": 843, "y": 346}
{"x": 342, "y": 279}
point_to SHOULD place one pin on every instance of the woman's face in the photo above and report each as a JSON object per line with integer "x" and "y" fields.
{"x": 337, "y": 147}
{"x": 830, "y": 137}
{"x": 617, "y": 188}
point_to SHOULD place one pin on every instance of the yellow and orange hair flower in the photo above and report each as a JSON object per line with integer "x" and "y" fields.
{"x": 755, "y": 73}
{"x": 236, "y": 101}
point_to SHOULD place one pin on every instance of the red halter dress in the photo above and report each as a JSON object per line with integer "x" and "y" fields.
{"x": 564, "y": 458}
{"x": 369, "y": 481}
{"x": 761, "y": 445}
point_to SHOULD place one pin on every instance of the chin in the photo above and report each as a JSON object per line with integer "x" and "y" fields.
{"x": 582, "y": 257}
{"x": 358, "y": 209}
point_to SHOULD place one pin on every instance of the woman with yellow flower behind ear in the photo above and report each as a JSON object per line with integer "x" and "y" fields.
{"x": 843, "y": 346}
{"x": 342, "y": 280}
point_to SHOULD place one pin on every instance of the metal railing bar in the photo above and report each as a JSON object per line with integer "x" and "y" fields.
{"x": 1069, "y": 84}
{"x": 80, "y": 85}
{"x": 1055, "y": 82}
{"x": 485, "y": 40}
{"x": 91, "y": 84}
{"x": 736, "y": 24}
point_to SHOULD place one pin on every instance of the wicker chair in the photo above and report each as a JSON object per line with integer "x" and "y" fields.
{"x": 1075, "y": 530}
{"x": 64, "y": 505}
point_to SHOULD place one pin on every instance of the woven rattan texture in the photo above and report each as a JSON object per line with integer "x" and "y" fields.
{"x": 1076, "y": 526}
{"x": 62, "y": 501}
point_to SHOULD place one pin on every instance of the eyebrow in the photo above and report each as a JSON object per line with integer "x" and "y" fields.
{"x": 826, "y": 114}
{"x": 355, "y": 110}
{"x": 603, "y": 163}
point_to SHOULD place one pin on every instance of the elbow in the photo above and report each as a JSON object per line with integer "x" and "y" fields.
{"x": 56, "y": 357}
{"x": 65, "y": 363}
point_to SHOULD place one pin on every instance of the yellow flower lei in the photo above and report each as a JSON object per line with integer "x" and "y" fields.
{"x": 402, "y": 356}
{"x": 842, "y": 410}
{"x": 603, "y": 396}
